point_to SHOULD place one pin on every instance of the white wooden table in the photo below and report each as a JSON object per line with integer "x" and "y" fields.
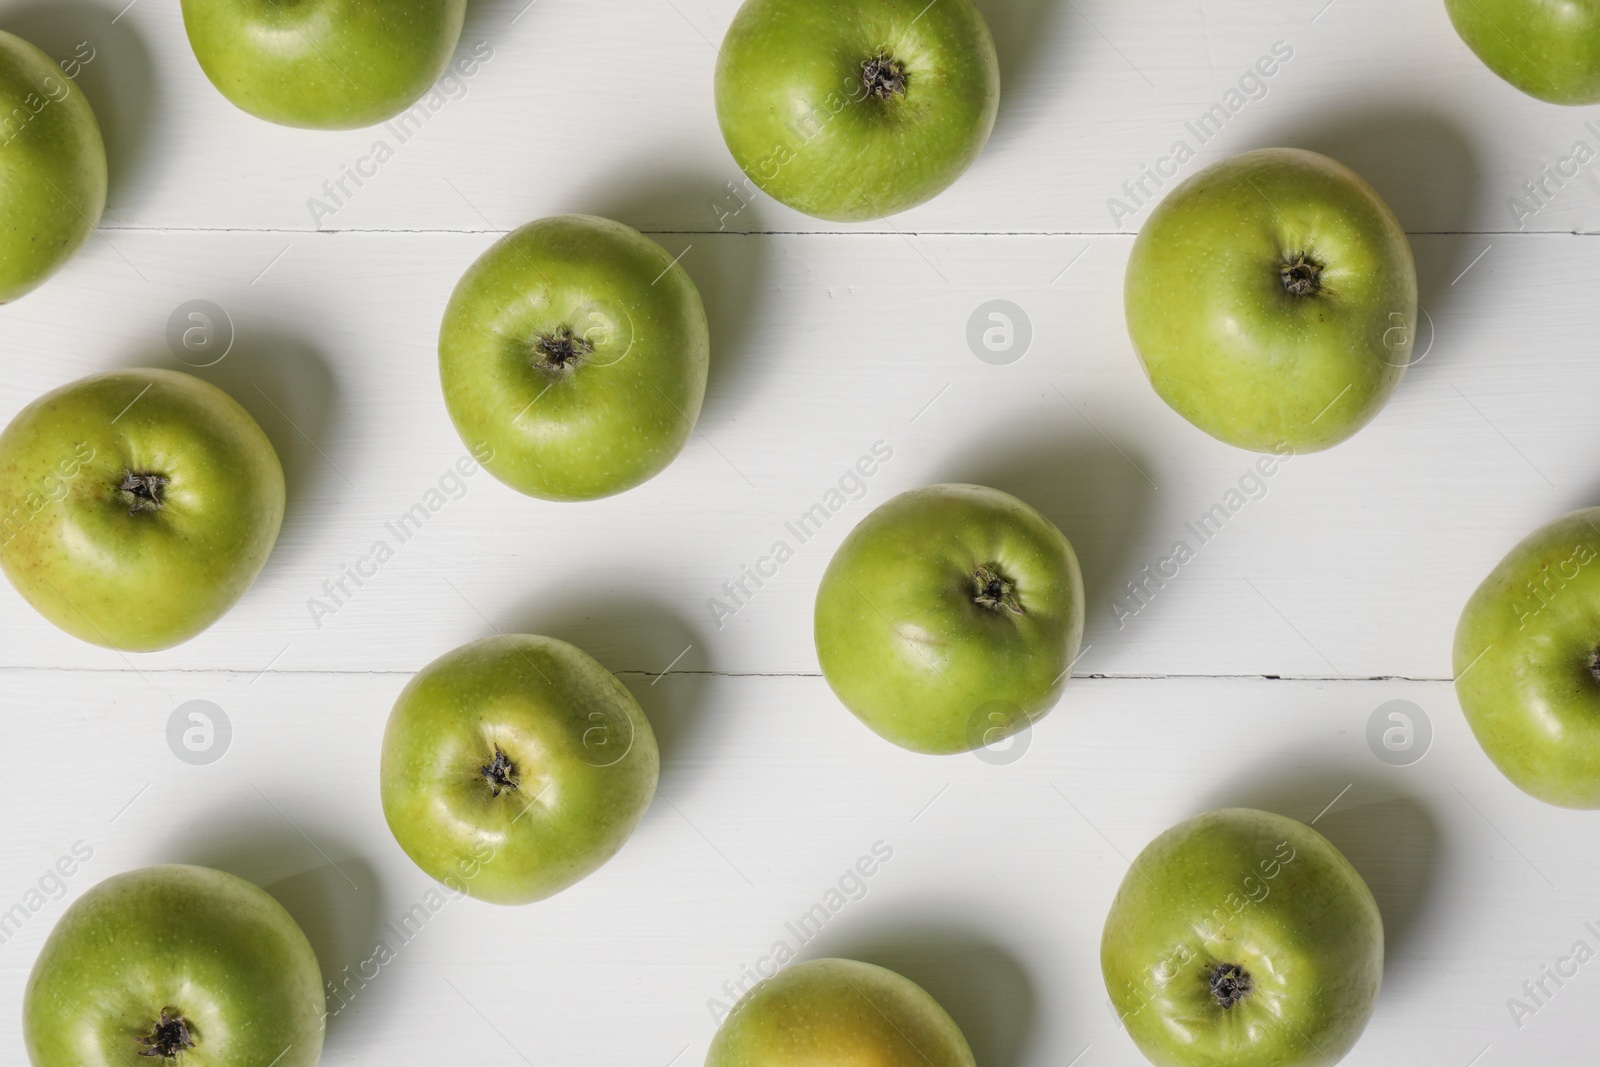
{"x": 1250, "y": 678}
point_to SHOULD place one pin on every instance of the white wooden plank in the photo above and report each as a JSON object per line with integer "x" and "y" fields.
{"x": 999, "y": 880}
{"x": 591, "y": 103}
{"x": 1354, "y": 563}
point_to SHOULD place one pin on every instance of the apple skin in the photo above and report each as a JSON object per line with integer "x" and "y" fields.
{"x": 323, "y": 64}
{"x": 593, "y": 423}
{"x": 578, "y": 752}
{"x": 1527, "y": 666}
{"x": 1260, "y": 892}
{"x": 218, "y": 953}
{"x": 838, "y": 1012}
{"x": 1550, "y": 49}
{"x": 906, "y": 644}
{"x": 1223, "y": 339}
{"x": 797, "y": 114}
{"x": 74, "y": 546}
{"x": 54, "y": 162}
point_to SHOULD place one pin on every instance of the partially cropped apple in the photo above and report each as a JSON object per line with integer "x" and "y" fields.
{"x": 136, "y": 507}
{"x": 950, "y": 618}
{"x": 838, "y": 1012}
{"x": 856, "y": 109}
{"x": 175, "y": 965}
{"x": 1549, "y": 49}
{"x": 54, "y": 166}
{"x": 1272, "y": 299}
{"x": 1527, "y": 662}
{"x": 323, "y": 64}
{"x": 515, "y": 766}
{"x": 1243, "y": 937}
{"x": 575, "y": 352}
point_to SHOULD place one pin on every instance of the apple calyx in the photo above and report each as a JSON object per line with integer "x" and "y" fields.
{"x": 501, "y": 773}
{"x": 1230, "y": 984}
{"x": 145, "y": 490}
{"x": 883, "y": 76}
{"x": 994, "y": 591}
{"x": 1301, "y": 275}
{"x": 561, "y": 349}
{"x": 170, "y": 1036}
{"x": 1593, "y": 663}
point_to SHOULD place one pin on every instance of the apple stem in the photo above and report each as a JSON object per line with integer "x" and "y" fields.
{"x": 500, "y": 772}
{"x": 884, "y": 76}
{"x": 146, "y": 490}
{"x": 170, "y": 1036}
{"x": 1301, "y": 275}
{"x": 1230, "y": 983}
{"x": 995, "y": 592}
{"x": 560, "y": 349}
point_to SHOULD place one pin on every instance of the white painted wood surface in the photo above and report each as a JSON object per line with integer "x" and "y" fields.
{"x": 1343, "y": 576}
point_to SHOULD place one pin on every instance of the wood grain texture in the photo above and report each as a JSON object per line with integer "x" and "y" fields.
{"x": 1342, "y": 572}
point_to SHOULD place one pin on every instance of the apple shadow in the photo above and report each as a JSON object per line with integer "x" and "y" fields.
{"x": 339, "y": 904}
{"x": 1392, "y": 839}
{"x": 985, "y": 989}
{"x": 287, "y": 385}
{"x": 1425, "y": 168}
{"x": 1020, "y": 29}
{"x": 636, "y": 639}
{"x": 727, "y": 262}
{"x": 118, "y": 80}
{"x": 1082, "y": 483}
{"x": 486, "y": 22}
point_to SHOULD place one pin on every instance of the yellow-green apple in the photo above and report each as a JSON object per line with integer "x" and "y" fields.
{"x": 950, "y": 617}
{"x": 575, "y": 351}
{"x": 136, "y": 507}
{"x": 515, "y": 766}
{"x": 1272, "y": 299}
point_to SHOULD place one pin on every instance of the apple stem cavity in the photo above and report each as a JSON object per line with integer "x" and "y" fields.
{"x": 559, "y": 350}
{"x": 500, "y": 773}
{"x": 170, "y": 1036}
{"x": 1301, "y": 275}
{"x": 1230, "y": 983}
{"x": 883, "y": 76}
{"x": 146, "y": 490}
{"x": 994, "y": 591}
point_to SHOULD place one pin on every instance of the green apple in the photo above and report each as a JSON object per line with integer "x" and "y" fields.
{"x": 1547, "y": 48}
{"x": 323, "y": 64}
{"x": 1243, "y": 937}
{"x": 950, "y": 618}
{"x": 1527, "y": 662}
{"x": 856, "y": 109}
{"x": 136, "y": 507}
{"x": 54, "y": 167}
{"x": 838, "y": 1012}
{"x": 575, "y": 352}
{"x": 175, "y": 965}
{"x": 1272, "y": 299}
{"x": 514, "y": 767}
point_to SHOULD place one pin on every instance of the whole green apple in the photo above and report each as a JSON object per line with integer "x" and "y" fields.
{"x": 323, "y": 64}
{"x": 514, "y": 767}
{"x": 950, "y": 617}
{"x": 54, "y": 163}
{"x": 136, "y": 507}
{"x": 575, "y": 351}
{"x": 1527, "y": 662}
{"x": 856, "y": 109}
{"x": 838, "y": 1012}
{"x": 176, "y": 965}
{"x": 1272, "y": 299}
{"x": 1549, "y": 49}
{"x": 1243, "y": 937}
